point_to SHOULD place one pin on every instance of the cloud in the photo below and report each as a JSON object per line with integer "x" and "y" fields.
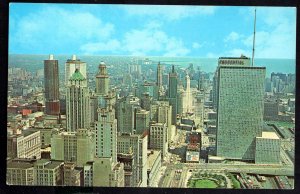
{"x": 169, "y": 12}
{"x": 175, "y": 48}
{"x": 153, "y": 40}
{"x": 196, "y": 45}
{"x": 53, "y": 26}
{"x": 237, "y": 52}
{"x": 276, "y": 38}
{"x": 94, "y": 48}
{"x": 233, "y": 36}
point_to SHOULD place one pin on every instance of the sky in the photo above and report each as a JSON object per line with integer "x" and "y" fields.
{"x": 151, "y": 30}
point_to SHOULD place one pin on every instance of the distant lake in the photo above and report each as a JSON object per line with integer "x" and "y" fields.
{"x": 35, "y": 62}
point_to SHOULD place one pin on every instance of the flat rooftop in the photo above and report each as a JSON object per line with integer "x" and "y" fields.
{"x": 49, "y": 164}
{"x": 269, "y": 135}
{"x": 22, "y": 164}
{"x": 215, "y": 158}
{"x": 152, "y": 157}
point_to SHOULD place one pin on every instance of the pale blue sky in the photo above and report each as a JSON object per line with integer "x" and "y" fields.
{"x": 144, "y": 30}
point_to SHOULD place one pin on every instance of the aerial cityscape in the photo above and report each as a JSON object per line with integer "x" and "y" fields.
{"x": 96, "y": 101}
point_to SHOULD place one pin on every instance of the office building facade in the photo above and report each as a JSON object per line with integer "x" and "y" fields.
{"x": 77, "y": 100}
{"x": 138, "y": 143}
{"x": 51, "y": 85}
{"x": 240, "y": 110}
{"x": 102, "y": 80}
{"x": 20, "y": 172}
{"x": 172, "y": 92}
{"x": 159, "y": 138}
{"x": 24, "y": 145}
{"x": 267, "y": 149}
{"x": 106, "y": 134}
{"x": 77, "y": 147}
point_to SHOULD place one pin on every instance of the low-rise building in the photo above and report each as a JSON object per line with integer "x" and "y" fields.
{"x": 24, "y": 145}
{"x": 129, "y": 168}
{"x": 72, "y": 176}
{"x": 20, "y": 172}
{"x": 267, "y": 149}
{"x": 88, "y": 174}
{"x": 75, "y": 147}
{"x": 48, "y": 172}
{"x": 107, "y": 173}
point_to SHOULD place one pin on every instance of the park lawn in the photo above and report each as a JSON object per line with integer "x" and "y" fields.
{"x": 205, "y": 184}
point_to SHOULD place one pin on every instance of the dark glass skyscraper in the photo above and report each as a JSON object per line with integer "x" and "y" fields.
{"x": 173, "y": 93}
{"x": 51, "y": 84}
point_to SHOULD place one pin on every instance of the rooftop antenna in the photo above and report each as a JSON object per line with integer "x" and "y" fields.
{"x": 253, "y": 38}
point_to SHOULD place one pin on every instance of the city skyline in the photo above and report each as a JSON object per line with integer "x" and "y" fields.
{"x": 132, "y": 141}
{"x": 197, "y": 31}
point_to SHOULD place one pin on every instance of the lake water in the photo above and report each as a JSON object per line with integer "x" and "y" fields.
{"x": 35, "y": 62}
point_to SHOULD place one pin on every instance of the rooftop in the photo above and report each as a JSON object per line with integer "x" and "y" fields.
{"x": 269, "y": 135}
{"x": 22, "y": 164}
{"x": 77, "y": 76}
{"x": 215, "y": 157}
{"x": 49, "y": 164}
{"x": 152, "y": 157}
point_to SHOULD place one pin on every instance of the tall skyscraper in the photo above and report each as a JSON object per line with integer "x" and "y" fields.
{"x": 240, "y": 110}
{"x": 73, "y": 64}
{"x": 51, "y": 82}
{"x": 106, "y": 134}
{"x": 77, "y": 101}
{"x": 226, "y": 61}
{"x": 107, "y": 171}
{"x": 159, "y": 79}
{"x": 173, "y": 94}
{"x": 142, "y": 118}
{"x": 126, "y": 109}
{"x": 102, "y": 80}
{"x": 188, "y": 100}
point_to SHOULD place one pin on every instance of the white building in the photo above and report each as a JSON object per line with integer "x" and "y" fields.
{"x": 24, "y": 145}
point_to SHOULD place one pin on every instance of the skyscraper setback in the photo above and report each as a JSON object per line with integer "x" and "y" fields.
{"x": 51, "y": 83}
{"x": 73, "y": 64}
